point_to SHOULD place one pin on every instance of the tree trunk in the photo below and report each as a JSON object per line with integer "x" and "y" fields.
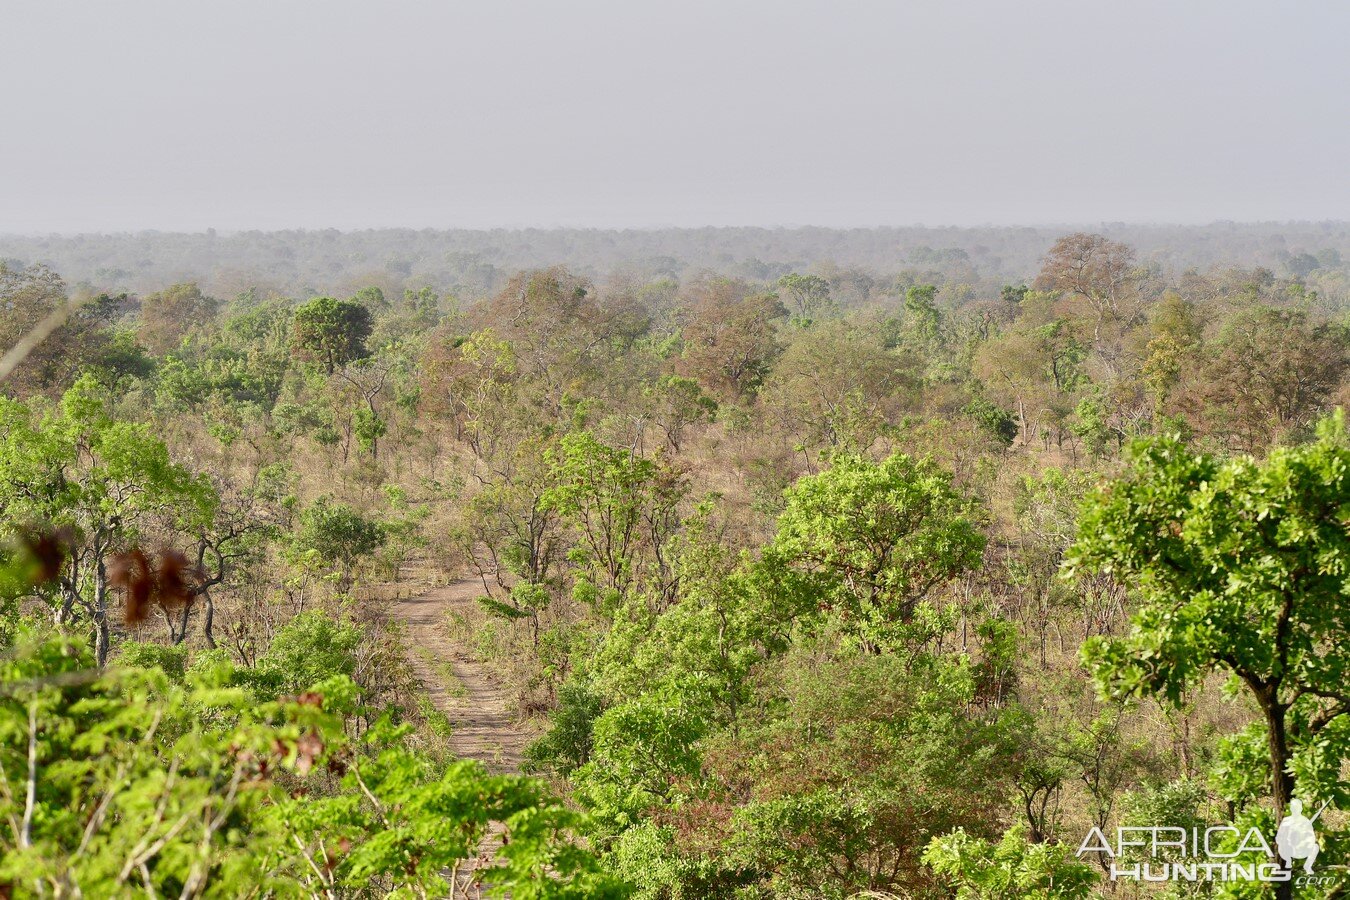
{"x": 1281, "y": 780}
{"x": 179, "y": 634}
{"x": 209, "y": 620}
{"x": 63, "y": 612}
{"x": 70, "y": 594}
{"x": 374, "y": 428}
{"x": 102, "y": 638}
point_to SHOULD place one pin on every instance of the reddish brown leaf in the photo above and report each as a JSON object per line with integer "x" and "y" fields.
{"x": 131, "y": 572}
{"x": 307, "y": 749}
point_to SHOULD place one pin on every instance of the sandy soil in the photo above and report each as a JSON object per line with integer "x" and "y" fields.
{"x": 480, "y": 710}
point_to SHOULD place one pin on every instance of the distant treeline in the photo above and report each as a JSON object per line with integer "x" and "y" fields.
{"x": 473, "y": 264}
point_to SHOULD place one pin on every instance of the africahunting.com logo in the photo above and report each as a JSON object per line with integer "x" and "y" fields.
{"x": 1171, "y": 853}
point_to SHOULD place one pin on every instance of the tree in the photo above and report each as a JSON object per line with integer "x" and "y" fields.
{"x": 121, "y": 778}
{"x": 810, "y": 294}
{"x": 109, "y": 483}
{"x": 620, "y": 505}
{"x": 835, "y": 387}
{"x": 705, "y": 646}
{"x": 1098, "y": 270}
{"x": 512, "y": 534}
{"x": 330, "y": 332}
{"x": 1238, "y": 567}
{"x": 1034, "y": 367}
{"x": 1013, "y": 294}
{"x": 168, "y": 315}
{"x": 29, "y": 296}
{"x": 511, "y": 519}
{"x": 729, "y": 336}
{"x": 131, "y": 781}
{"x": 678, "y": 403}
{"x": 994, "y": 420}
{"x": 837, "y": 778}
{"x": 1174, "y": 335}
{"x": 306, "y": 650}
{"x": 220, "y": 544}
{"x": 923, "y": 319}
{"x": 560, "y": 332}
{"x": 339, "y": 536}
{"x": 474, "y": 381}
{"x": 643, "y": 748}
{"x": 368, "y": 378}
{"x": 873, "y": 540}
{"x": 1271, "y": 373}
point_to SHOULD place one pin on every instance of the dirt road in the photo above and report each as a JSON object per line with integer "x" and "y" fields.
{"x": 481, "y": 712}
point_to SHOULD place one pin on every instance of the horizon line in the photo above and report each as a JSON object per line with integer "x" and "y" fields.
{"x": 915, "y": 226}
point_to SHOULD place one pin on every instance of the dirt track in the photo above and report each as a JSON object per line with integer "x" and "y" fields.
{"x": 481, "y": 712}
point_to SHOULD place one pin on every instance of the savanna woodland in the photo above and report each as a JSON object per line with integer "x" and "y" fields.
{"x": 700, "y": 577}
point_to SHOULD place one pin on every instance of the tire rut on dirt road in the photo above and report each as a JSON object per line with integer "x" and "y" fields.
{"x": 481, "y": 711}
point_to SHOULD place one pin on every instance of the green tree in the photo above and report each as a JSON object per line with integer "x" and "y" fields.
{"x": 810, "y": 294}
{"x": 1175, "y": 332}
{"x": 620, "y": 505}
{"x": 993, "y": 419}
{"x": 836, "y": 387}
{"x": 923, "y": 319}
{"x": 1035, "y": 366}
{"x": 308, "y": 649}
{"x": 643, "y": 750}
{"x": 339, "y": 536}
{"x": 509, "y": 531}
{"x": 873, "y": 540}
{"x": 1013, "y": 294}
{"x": 330, "y": 332}
{"x": 679, "y": 403}
{"x": 840, "y": 773}
{"x": 107, "y": 483}
{"x": 128, "y": 782}
{"x": 123, "y": 782}
{"x": 402, "y": 531}
{"x": 1238, "y": 567}
{"x": 168, "y": 316}
{"x": 1090, "y": 423}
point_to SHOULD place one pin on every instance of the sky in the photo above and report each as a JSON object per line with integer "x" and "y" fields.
{"x": 130, "y": 115}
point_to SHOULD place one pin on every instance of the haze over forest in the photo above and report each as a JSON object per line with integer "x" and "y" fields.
{"x": 472, "y": 264}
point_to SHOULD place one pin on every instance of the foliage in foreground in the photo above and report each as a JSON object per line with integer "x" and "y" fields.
{"x": 126, "y": 781}
{"x": 1012, "y": 869}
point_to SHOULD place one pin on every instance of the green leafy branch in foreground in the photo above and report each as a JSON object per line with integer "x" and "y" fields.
{"x": 128, "y": 781}
{"x": 1012, "y": 869}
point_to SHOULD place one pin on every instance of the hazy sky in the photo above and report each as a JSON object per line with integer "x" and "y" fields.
{"x": 129, "y": 114}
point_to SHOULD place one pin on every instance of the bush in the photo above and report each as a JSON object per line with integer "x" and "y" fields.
{"x": 172, "y": 661}
{"x": 993, "y": 419}
{"x": 339, "y": 535}
{"x": 567, "y": 744}
{"x": 308, "y": 649}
